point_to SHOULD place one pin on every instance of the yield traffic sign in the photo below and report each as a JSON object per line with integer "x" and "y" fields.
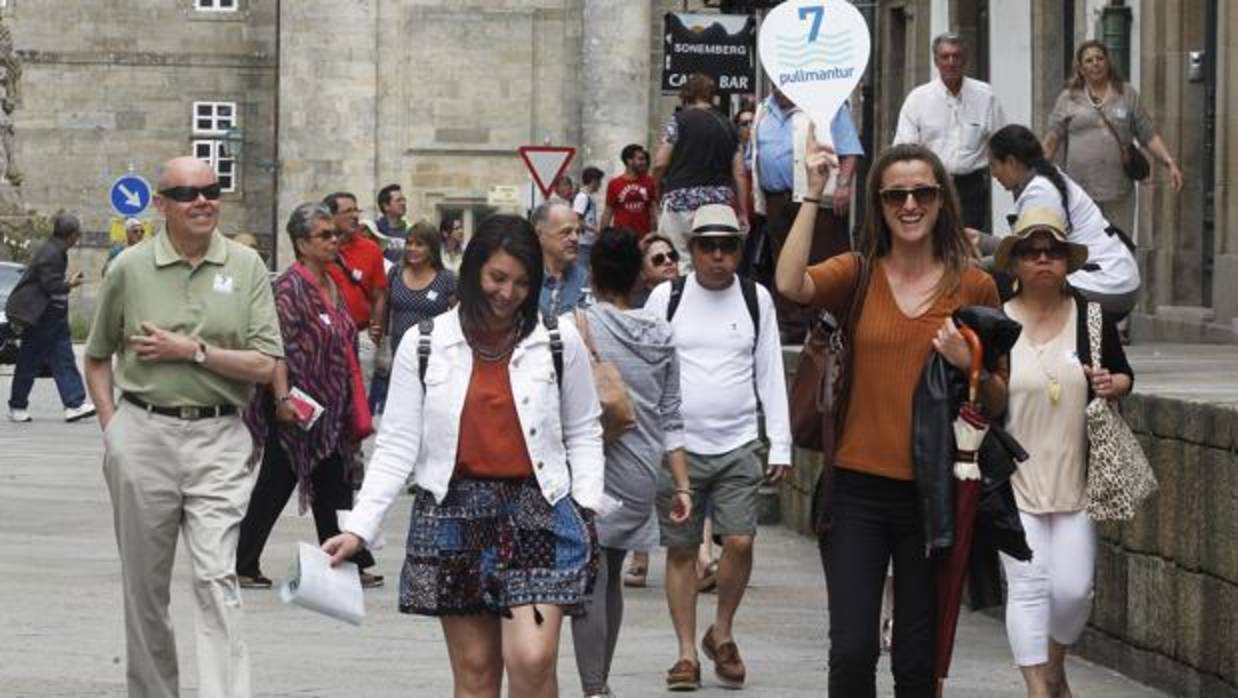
{"x": 546, "y": 163}
{"x": 130, "y": 195}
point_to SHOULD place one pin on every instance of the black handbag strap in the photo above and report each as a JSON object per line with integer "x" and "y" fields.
{"x": 1100, "y": 111}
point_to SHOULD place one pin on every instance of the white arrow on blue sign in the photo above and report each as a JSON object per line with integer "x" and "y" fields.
{"x": 130, "y": 195}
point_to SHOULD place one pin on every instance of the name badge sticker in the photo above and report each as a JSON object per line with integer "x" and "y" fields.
{"x": 326, "y": 319}
{"x": 356, "y": 275}
{"x": 431, "y": 295}
{"x": 223, "y": 283}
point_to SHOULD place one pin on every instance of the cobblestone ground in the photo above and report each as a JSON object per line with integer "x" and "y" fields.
{"x": 62, "y": 636}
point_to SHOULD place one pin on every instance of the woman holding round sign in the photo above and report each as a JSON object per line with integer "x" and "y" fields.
{"x": 919, "y": 270}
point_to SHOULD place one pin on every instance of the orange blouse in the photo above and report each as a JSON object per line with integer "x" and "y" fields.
{"x": 888, "y": 356}
{"x": 491, "y": 441}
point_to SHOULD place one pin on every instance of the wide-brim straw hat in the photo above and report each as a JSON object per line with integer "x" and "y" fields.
{"x": 1035, "y": 220}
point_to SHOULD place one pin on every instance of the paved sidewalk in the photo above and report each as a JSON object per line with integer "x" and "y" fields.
{"x": 59, "y": 579}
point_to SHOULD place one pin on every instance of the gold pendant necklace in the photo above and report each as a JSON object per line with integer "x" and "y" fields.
{"x": 1055, "y": 386}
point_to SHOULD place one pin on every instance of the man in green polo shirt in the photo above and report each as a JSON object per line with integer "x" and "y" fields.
{"x": 190, "y": 320}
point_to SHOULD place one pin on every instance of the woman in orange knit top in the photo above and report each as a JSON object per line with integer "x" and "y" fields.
{"x": 920, "y": 271}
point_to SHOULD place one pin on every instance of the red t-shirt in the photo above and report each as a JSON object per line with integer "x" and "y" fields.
{"x": 364, "y": 262}
{"x": 631, "y": 200}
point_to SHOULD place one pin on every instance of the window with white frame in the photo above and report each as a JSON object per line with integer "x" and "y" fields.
{"x": 211, "y": 123}
{"x": 215, "y": 5}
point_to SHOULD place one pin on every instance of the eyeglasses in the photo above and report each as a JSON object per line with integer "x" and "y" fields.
{"x": 925, "y": 196}
{"x": 186, "y": 194}
{"x": 664, "y": 257}
{"x": 710, "y": 245}
{"x": 1031, "y": 253}
{"x": 744, "y": 123}
{"x": 325, "y": 235}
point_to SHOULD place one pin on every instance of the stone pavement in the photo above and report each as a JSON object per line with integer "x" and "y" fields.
{"x": 63, "y": 636}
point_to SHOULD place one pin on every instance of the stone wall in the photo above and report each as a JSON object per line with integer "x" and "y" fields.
{"x": 1166, "y": 604}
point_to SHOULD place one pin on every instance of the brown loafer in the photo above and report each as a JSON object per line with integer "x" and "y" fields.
{"x": 684, "y": 676}
{"x": 728, "y": 667}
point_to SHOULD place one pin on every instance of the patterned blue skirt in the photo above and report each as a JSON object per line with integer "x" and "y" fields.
{"x": 493, "y": 545}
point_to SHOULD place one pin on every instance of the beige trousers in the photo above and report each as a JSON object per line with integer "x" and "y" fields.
{"x": 168, "y": 476}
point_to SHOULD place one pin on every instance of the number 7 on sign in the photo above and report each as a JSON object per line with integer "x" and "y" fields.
{"x": 817, "y": 12}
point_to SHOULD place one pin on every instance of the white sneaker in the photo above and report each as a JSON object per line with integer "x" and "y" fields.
{"x": 18, "y": 415}
{"x": 72, "y": 414}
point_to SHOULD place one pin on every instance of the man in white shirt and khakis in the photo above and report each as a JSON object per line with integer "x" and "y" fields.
{"x": 954, "y": 116}
{"x": 730, "y": 358}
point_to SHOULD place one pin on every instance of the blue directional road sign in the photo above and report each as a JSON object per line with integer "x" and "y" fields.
{"x": 130, "y": 195}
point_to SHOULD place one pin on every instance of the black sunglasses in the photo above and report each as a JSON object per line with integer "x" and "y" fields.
{"x": 1030, "y": 253}
{"x": 710, "y": 245}
{"x": 743, "y": 123}
{"x": 663, "y": 257}
{"x": 187, "y": 194}
{"x": 924, "y": 195}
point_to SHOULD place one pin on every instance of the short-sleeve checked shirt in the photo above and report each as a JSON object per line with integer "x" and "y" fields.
{"x": 225, "y": 301}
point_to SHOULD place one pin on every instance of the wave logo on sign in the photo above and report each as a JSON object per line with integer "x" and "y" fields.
{"x": 815, "y": 51}
{"x": 815, "y": 55}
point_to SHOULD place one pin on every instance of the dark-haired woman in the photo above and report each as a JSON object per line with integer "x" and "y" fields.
{"x": 500, "y": 541}
{"x": 1054, "y": 373}
{"x": 1093, "y": 156}
{"x": 420, "y": 287}
{"x": 921, "y": 270}
{"x": 320, "y": 337}
{"x": 1111, "y": 277}
{"x": 639, "y": 344}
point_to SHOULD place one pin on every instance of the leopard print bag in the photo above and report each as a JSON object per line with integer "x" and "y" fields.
{"x": 1119, "y": 474}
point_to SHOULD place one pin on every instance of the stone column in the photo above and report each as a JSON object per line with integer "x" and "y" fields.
{"x": 615, "y": 69}
{"x": 327, "y": 100}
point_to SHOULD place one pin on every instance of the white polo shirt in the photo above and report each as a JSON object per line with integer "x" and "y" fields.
{"x": 955, "y": 127}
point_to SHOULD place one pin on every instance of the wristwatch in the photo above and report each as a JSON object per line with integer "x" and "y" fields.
{"x": 199, "y": 354}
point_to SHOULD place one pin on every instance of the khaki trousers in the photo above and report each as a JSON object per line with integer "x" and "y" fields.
{"x": 168, "y": 476}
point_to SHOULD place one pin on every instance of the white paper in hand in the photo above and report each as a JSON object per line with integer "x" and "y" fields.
{"x": 815, "y": 51}
{"x": 312, "y": 583}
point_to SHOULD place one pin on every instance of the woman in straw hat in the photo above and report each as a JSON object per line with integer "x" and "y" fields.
{"x": 1053, "y": 376}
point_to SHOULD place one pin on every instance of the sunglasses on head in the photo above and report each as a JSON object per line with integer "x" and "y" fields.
{"x": 924, "y": 195}
{"x": 1029, "y": 253}
{"x": 710, "y": 245}
{"x": 664, "y": 257}
{"x": 187, "y": 194}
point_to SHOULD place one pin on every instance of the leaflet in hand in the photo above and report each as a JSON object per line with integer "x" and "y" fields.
{"x": 332, "y": 591}
{"x": 307, "y": 408}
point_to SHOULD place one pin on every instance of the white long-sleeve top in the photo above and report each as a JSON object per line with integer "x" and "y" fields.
{"x": 717, "y": 367}
{"x": 421, "y": 435}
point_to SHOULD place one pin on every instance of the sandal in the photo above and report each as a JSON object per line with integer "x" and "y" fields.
{"x": 636, "y": 576}
{"x": 708, "y": 581}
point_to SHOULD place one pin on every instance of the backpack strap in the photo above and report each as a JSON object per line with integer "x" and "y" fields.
{"x": 425, "y": 328}
{"x": 556, "y": 346}
{"x": 672, "y": 304}
{"x": 748, "y": 288}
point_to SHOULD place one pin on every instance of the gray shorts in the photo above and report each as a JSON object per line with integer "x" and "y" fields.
{"x": 726, "y": 484}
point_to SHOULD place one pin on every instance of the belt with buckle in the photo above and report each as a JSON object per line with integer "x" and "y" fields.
{"x": 186, "y": 412}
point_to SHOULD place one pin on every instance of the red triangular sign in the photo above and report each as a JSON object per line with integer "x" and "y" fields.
{"x": 546, "y": 163}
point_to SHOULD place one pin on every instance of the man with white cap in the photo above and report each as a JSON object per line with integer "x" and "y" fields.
{"x": 726, "y": 334}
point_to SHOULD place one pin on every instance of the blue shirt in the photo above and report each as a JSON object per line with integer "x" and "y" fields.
{"x": 776, "y": 164}
{"x": 567, "y": 292}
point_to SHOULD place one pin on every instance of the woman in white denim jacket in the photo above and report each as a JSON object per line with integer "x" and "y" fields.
{"x": 501, "y": 541}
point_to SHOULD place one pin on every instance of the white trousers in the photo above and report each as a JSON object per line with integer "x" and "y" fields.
{"x": 1051, "y": 595}
{"x": 677, "y": 227}
{"x": 168, "y": 476}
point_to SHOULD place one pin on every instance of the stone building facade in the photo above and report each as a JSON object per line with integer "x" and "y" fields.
{"x": 324, "y": 95}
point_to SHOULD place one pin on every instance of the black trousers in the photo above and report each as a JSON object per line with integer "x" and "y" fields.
{"x": 876, "y": 519}
{"x": 973, "y": 189}
{"x": 276, "y": 481}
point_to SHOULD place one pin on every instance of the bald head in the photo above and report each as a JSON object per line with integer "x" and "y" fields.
{"x": 185, "y": 170}
{"x": 188, "y": 197}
